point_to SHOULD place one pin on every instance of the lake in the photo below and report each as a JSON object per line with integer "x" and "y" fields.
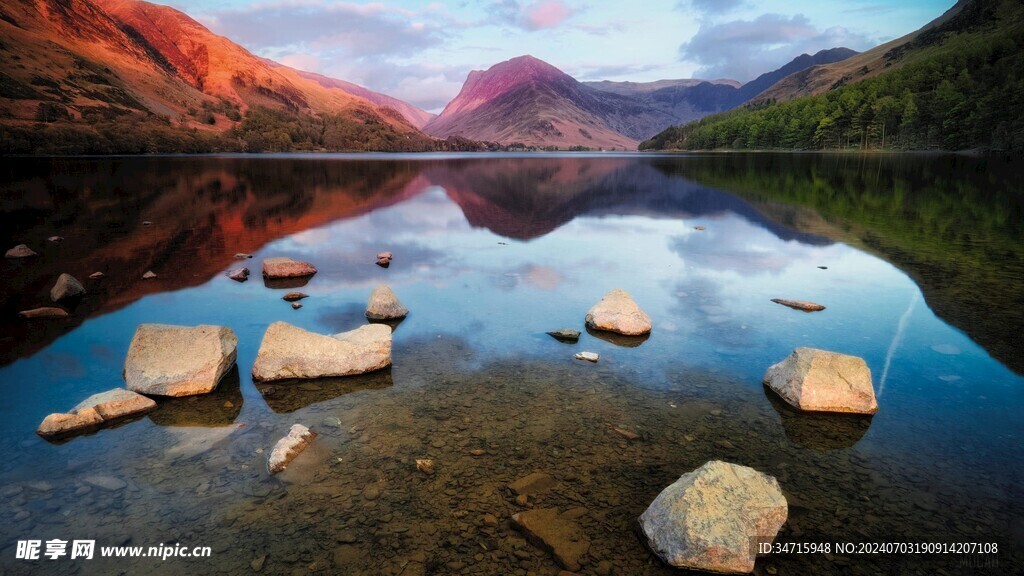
{"x": 918, "y": 259}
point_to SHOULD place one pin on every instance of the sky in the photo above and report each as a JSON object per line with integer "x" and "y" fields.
{"x": 421, "y": 52}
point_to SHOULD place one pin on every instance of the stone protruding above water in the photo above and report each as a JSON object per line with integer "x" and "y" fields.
{"x": 713, "y": 518}
{"x": 558, "y": 533}
{"x": 44, "y": 312}
{"x": 290, "y": 352}
{"x": 95, "y": 411}
{"x": 565, "y": 335}
{"x": 294, "y": 296}
{"x": 821, "y": 381}
{"x": 286, "y": 268}
{"x": 799, "y": 304}
{"x": 166, "y": 360}
{"x": 67, "y": 286}
{"x": 617, "y": 312}
{"x": 384, "y": 305}
{"x": 20, "y": 251}
{"x": 149, "y": 275}
{"x": 299, "y": 437}
{"x": 384, "y": 259}
{"x": 238, "y": 274}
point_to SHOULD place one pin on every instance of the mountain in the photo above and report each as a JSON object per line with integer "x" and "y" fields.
{"x": 955, "y": 84}
{"x": 688, "y": 100}
{"x": 528, "y": 101}
{"x": 130, "y": 76}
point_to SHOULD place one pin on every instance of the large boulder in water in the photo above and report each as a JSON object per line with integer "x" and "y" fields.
{"x": 617, "y": 312}
{"x": 67, "y": 286}
{"x": 286, "y": 268}
{"x": 166, "y": 360}
{"x": 821, "y": 381}
{"x": 384, "y": 305}
{"x": 290, "y": 352}
{"x": 714, "y": 517}
{"x": 95, "y": 411}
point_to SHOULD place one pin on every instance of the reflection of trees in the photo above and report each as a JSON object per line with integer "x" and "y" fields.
{"x": 953, "y": 223}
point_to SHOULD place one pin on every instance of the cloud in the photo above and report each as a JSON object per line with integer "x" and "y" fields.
{"x": 538, "y": 15}
{"x": 708, "y": 6}
{"x": 743, "y": 49}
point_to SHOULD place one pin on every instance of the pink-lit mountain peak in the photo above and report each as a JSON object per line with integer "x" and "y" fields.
{"x": 483, "y": 86}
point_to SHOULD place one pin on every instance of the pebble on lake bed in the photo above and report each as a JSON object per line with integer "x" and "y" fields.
{"x": 425, "y": 465}
{"x": 588, "y": 356}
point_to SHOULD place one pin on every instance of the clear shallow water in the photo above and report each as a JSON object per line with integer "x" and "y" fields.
{"x": 923, "y": 280}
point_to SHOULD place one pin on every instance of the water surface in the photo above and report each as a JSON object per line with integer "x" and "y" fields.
{"x": 917, "y": 258}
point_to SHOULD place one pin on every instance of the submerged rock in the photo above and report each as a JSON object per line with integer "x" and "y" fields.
{"x": 565, "y": 335}
{"x": 384, "y": 305}
{"x": 291, "y": 352}
{"x": 286, "y": 268}
{"x": 822, "y": 381}
{"x": 534, "y": 483}
{"x": 799, "y": 304}
{"x": 617, "y": 312}
{"x": 713, "y": 518}
{"x": 67, "y": 286}
{"x": 168, "y": 360}
{"x": 588, "y": 356}
{"x": 294, "y": 296}
{"x": 20, "y": 251}
{"x": 558, "y": 533}
{"x": 425, "y": 465}
{"x": 238, "y": 274}
{"x": 44, "y": 312}
{"x": 94, "y": 411}
{"x": 287, "y": 448}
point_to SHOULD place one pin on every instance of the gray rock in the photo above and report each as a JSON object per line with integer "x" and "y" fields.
{"x": 94, "y": 411}
{"x": 713, "y": 518}
{"x": 290, "y": 352}
{"x": 67, "y": 286}
{"x": 287, "y": 448}
{"x": 20, "y": 251}
{"x": 384, "y": 305}
{"x": 821, "y": 381}
{"x": 286, "y": 268}
{"x": 170, "y": 360}
{"x": 617, "y": 312}
{"x": 565, "y": 335}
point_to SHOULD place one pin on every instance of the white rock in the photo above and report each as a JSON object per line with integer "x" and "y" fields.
{"x": 384, "y": 305}
{"x": 822, "y": 381}
{"x": 287, "y": 448}
{"x": 713, "y": 518}
{"x": 588, "y": 356}
{"x": 291, "y": 352}
{"x": 617, "y": 312}
{"x": 167, "y": 360}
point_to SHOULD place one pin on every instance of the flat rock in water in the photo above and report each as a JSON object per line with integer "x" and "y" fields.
{"x": 97, "y": 275}
{"x": 290, "y": 352}
{"x": 238, "y": 274}
{"x": 821, "y": 381}
{"x": 168, "y": 360}
{"x": 588, "y": 356}
{"x": 534, "y": 483}
{"x": 94, "y": 411}
{"x": 617, "y": 312}
{"x": 20, "y": 251}
{"x": 67, "y": 286}
{"x": 384, "y": 305}
{"x": 713, "y": 518}
{"x": 565, "y": 335}
{"x": 799, "y": 304}
{"x": 44, "y": 312}
{"x": 294, "y": 296}
{"x": 287, "y": 448}
{"x": 149, "y": 275}
{"x": 286, "y": 268}
{"x": 557, "y": 533}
